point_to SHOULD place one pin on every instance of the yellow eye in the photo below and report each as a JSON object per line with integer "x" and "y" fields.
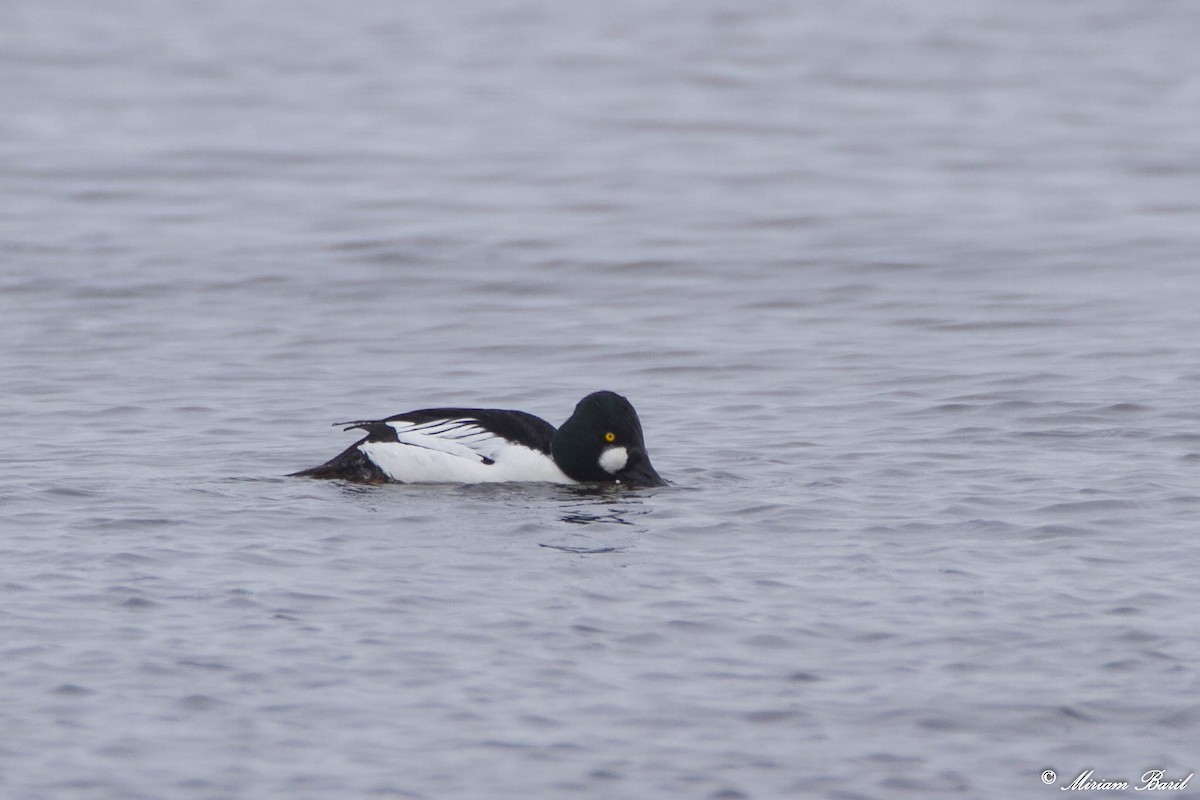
{"x": 610, "y": 437}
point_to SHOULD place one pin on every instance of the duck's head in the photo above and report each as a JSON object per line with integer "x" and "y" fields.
{"x": 602, "y": 442}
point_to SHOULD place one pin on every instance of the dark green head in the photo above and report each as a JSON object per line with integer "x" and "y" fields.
{"x": 602, "y": 442}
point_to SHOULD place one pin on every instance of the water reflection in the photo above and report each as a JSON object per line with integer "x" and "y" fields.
{"x": 587, "y": 504}
{"x": 584, "y": 550}
{"x": 602, "y": 505}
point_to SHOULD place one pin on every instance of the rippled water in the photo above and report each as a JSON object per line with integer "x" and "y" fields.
{"x": 906, "y": 299}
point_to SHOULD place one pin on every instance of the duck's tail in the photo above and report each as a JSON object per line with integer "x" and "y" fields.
{"x": 351, "y": 465}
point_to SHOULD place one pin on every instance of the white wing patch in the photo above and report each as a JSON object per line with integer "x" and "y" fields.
{"x": 458, "y": 451}
{"x": 464, "y": 438}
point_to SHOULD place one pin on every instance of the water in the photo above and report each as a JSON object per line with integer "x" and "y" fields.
{"x": 906, "y": 299}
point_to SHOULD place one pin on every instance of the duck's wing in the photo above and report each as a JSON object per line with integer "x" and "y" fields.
{"x": 453, "y": 445}
{"x": 476, "y": 434}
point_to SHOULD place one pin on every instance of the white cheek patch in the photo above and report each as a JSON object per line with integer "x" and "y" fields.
{"x": 614, "y": 459}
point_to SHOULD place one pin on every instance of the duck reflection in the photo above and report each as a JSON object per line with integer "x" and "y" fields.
{"x": 589, "y": 504}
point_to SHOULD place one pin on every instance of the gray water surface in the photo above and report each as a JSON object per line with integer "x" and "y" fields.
{"x": 906, "y": 299}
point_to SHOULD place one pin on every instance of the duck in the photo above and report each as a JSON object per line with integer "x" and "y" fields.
{"x": 601, "y": 442}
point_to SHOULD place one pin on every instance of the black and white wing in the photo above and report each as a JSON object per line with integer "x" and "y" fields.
{"x": 448, "y": 445}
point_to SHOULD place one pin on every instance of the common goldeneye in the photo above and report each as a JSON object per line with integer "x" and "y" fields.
{"x": 601, "y": 442}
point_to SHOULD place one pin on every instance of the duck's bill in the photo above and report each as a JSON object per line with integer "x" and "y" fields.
{"x": 641, "y": 473}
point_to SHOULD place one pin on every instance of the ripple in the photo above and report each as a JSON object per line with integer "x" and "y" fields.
{"x": 199, "y": 702}
{"x": 1088, "y": 506}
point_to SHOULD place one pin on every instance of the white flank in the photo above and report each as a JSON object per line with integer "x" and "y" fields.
{"x": 421, "y": 458}
{"x": 614, "y": 459}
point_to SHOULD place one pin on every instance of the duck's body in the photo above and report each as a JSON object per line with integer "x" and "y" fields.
{"x": 601, "y": 442}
